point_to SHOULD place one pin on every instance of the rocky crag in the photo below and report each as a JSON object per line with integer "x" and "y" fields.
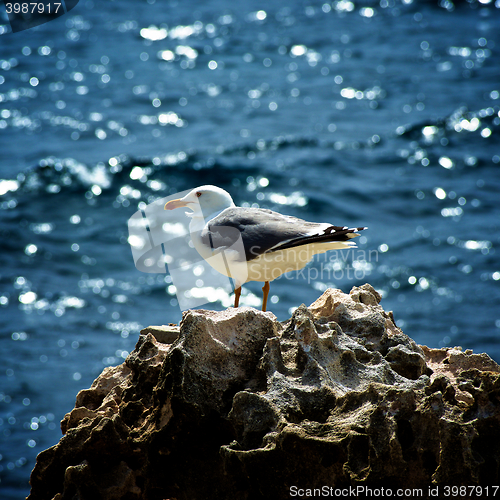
{"x": 241, "y": 406}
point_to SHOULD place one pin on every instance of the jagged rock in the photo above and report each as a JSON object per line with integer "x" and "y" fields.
{"x": 241, "y": 406}
{"x": 165, "y": 334}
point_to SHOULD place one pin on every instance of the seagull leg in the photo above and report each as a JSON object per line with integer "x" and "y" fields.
{"x": 265, "y": 291}
{"x": 237, "y": 293}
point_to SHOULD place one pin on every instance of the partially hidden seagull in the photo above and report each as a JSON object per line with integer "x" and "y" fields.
{"x": 255, "y": 244}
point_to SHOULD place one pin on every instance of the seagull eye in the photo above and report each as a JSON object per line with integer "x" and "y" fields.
{"x": 198, "y": 194}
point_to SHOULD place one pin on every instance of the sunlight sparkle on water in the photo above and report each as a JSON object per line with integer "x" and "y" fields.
{"x": 446, "y": 162}
{"x": 153, "y": 33}
{"x": 27, "y": 298}
{"x": 296, "y": 199}
{"x": 8, "y": 185}
{"x": 440, "y": 193}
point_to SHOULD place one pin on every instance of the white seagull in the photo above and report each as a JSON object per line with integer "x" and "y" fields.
{"x": 255, "y": 244}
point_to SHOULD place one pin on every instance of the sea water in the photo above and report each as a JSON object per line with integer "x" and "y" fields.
{"x": 380, "y": 114}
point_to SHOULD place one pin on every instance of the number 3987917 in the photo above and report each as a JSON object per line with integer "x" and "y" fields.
{"x": 32, "y": 8}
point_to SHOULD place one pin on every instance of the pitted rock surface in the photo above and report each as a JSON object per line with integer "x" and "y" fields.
{"x": 241, "y": 406}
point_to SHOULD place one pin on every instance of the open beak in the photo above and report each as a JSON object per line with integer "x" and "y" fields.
{"x": 173, "y": 204}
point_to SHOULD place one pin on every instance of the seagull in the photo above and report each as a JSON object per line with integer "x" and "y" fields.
{"x": 255, "y": 244}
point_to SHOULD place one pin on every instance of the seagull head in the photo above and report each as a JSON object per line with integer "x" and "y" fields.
{"x": 204, "y": 201}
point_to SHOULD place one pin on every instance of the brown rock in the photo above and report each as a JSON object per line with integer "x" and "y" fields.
{"x": 166, "y": 334}
{"x": 241, "y": 406}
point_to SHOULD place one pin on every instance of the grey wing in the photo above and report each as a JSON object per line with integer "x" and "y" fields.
{"x": 263, "y": 231}
{"x": 220, "y": 237}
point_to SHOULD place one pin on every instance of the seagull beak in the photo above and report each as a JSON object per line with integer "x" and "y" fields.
{"x": 173, "y": 204}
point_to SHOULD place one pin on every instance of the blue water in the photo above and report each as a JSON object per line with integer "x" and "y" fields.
{"x": 379, "y": 114}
